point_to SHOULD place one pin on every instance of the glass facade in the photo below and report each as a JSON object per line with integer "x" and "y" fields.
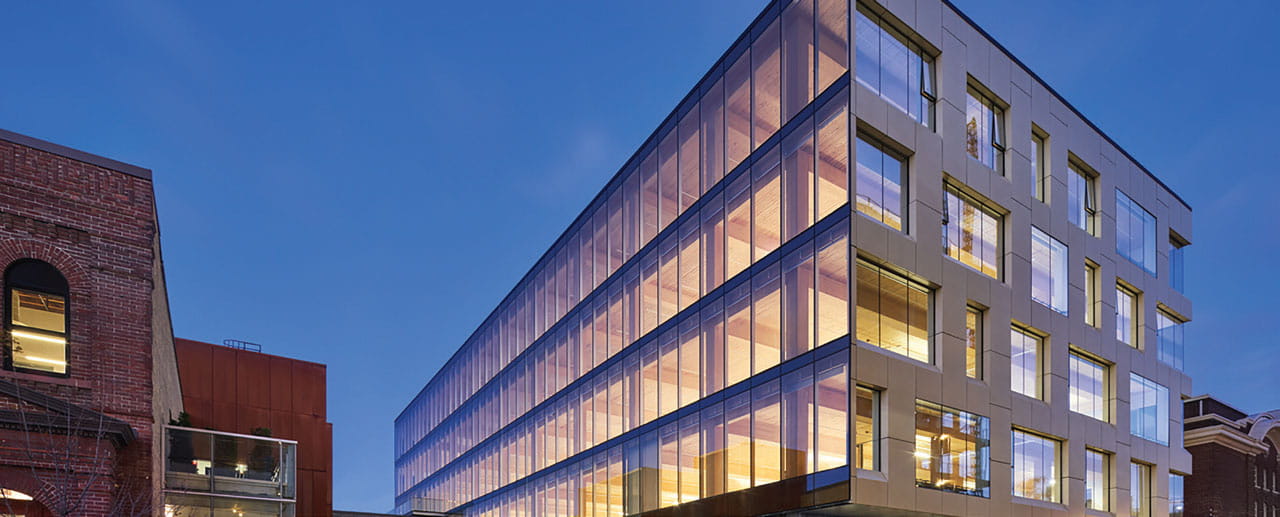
{"x": 1177, "y": 496}
{"x": 687, "y": 345}
{"x": 1139, "y": 490}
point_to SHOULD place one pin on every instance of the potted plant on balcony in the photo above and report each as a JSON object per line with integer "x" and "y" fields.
{"x": 263, "y": 460}
{"x": 182, "y": 453}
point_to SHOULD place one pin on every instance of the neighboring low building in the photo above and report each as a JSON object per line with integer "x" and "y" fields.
{"x": 89, "y": 374}
{"x": 1235, "y": 458}
{"x": 270, "y": 451}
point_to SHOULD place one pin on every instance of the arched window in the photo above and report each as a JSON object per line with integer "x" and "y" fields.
{"x": 36, "y": 316}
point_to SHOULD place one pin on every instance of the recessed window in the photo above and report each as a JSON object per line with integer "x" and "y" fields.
{"x": 1024, "y": 356}
{"x": 1048, "y": 271}
{"x": 1088, "y": 378}
{"x": 1177, "y": 247}
{"x": 1177, "y": 499}
{"x": 984, "y": 129}
{"x": 1082, "y": 199}
{"x": 881, "y": 187}
{"x": 37, "y": 317}
{"x": 1169, "y": 335}
{"x": 1139, "y": 490}
{"x": 1127, "y": 312}
{"x": 953, "y": 450}
{"x": 1148, "y": 409}
{"x": 893, "y": 312}
{"x": 1097, "y": 480}
{"x": 1035, "y": 467}
{"x": 1091, "y": 302}
{"x": 893, "y": 66}
{"x": 1039, "y": 166}
{"x": 973, "y": 342}
{"x": 867, "y": 413}
{"x": 971, "y": 232}
{"x": 1135, "y": 233}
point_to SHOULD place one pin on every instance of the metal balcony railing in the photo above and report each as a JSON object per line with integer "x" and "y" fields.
{"x": 217, "y": 463}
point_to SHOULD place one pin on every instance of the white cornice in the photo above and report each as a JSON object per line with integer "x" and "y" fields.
{"x": 1224, "y": 436}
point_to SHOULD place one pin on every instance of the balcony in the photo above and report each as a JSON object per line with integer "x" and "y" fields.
{"x": 212, "y": 473}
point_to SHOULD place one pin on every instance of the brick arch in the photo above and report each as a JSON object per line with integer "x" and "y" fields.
{"x": 19, "y": 478}
{"x": 78, "y": 280}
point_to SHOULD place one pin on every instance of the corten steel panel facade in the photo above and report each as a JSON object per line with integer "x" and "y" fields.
{"x": 816, "y": 285}
{"x": 93, "y": 220}
{"x": 236, "y": 391}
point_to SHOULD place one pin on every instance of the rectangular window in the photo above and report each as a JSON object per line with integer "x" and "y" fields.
{"x": 38, "y": 331}
{"x": 1139, "y": 490}
{"x": 833, "y": 150}
{"x": 1135, "y": 233}
{"x": 766, "y": 434}
{"x": 833, "y": 284}
{"x": 737, "y": 421}
{"x": 1024, "y": 356}
{"x": 1035, "y": 467}
{"x": 971, "y": 232}
{"x": 1091, "y": 302}
{"x": 973, "y": 342}
{"x": 713, "y": 451}
{"x": 1088, "y": 381}
{"x": 1048, "y": 271}
{"x": 1097, "y": 480}
{"x": 953, "y": 450}
{"x": 1127, "y": 312}
{"x": 984, "y": 129}
{"x": 1177, "y": 499}
{"x": 1169, "y": 335}
{"x": 1082, "y": 205}
{"x": 797, "y": 423}
{"x": 1148, "y": 409}
{"x": 1039, "y": 167}
{"x": 867, "y": 429}
{"x": 1177, "y": 247}
{"x": 888, "y": 63}
{"x": 880, "y": 187}
{"x": 893, "y": 312}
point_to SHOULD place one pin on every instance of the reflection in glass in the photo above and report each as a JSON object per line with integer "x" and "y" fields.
{"x": 1035, "y": 467}
{"x": 1097, "y": 484}
{"x": 881, "y": 177}
{"x": 866, "y": 433}
{"x": 952, "y": 450}
{"x": 1048, "y": 271}
{"x": 984, "y": 130}
{"x": 971, "y": 232}
{"x": 1148, "y": 409}
{"x": 888, "y": 63}
{"x": 1135, "y": 233}
{"x": 973, "y": 342}
{"x": 1024, "y": 357}
{"x": 893, "y": 312}
{"x": 1139, "y": 490}
{"x": 1088, "y": 381}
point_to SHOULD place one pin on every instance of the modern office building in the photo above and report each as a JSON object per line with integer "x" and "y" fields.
{"x": 1236, "y": 460}
{"x": 256, "y": 439}
{"x": 870, "y": 265}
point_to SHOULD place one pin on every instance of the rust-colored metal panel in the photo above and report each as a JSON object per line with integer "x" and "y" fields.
{"x": 225, "y": 417}
{"x": 281, "y": 384}
{"x": 224, "y": 375}
{"x": 253, "y": 379}
{"x": 308, "y": 389}
{"x": 282, "y": 424}
{"x": 195, "y": 363}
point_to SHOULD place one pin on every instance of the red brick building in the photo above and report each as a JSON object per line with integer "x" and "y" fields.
{"x": 239, "y": 390}
{"x": 1235, "y": 459}
{"x": 89, "y": 373}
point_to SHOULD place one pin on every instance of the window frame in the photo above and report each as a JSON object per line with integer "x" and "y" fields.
{"x": 1058, "y": 287}
{"x": 887, "y": 150}
{"x": 1092, "y": 288}
{"x": 1134, "y": 330}
{"x": 975, "y": 343}
{"x": 1056, "y": 471}
{"x": 58, "y": 287}
{"x": 1102, "y": 502}
{"x": 1041, "y": 173}
{"x": 1087, "y": 207}
{"x": 993, "y": 113}
{"x": 1041, "y": 343}
{"x": 912, "y": 284}
{"x": 1162, "y": 407}
{"x": 981, "y": 460}
{"x": 1075, "y": 355}
{"x": 925, "y": 91}
{"x": 962, "y": 195}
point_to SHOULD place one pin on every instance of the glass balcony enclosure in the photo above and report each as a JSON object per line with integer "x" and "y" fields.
{"x": 212, "y": 473}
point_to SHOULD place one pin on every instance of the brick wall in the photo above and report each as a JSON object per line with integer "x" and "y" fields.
{"x": 96, "y": 224}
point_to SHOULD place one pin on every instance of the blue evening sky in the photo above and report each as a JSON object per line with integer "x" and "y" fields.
{"x": 359, "y": 184}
